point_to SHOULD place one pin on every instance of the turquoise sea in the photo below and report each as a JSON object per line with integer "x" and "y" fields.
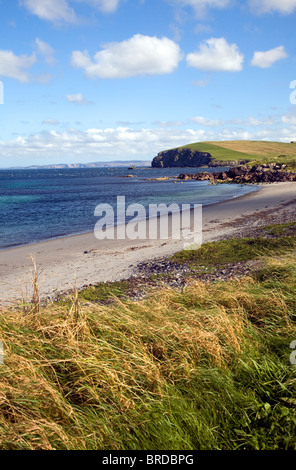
{"x": 37, "y": 205}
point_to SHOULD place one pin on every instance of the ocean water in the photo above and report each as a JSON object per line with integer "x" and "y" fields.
{"x": 37, "y": 205}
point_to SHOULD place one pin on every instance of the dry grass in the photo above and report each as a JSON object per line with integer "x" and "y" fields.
{"x": 175, "y": 371}
{"x": 258, "y": 148}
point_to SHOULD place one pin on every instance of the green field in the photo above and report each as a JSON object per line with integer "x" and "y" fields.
{"x": 218, "y": 152}
{"x": 253, "y": 151}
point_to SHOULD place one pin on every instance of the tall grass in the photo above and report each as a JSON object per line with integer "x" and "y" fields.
{"x": 207, "y": 368}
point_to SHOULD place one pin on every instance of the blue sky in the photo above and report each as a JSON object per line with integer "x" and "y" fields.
{"x": 102, "y": 80}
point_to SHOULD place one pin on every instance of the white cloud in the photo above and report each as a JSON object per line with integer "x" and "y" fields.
{"x": 289, "y": 119}
{"x": 77, "y": 98}
{"x": 51, "y": 122}
{"x": 97, "y": 144}
{"x": 107, "y": 6}
{"x": 201, "y": 6}
{"x": 203, "y": 28}
{"x": 266, "y": 59}
{"x": 123, "y": 143}
{"x": 58, "y": 11}
{"x": 13, "y": 66}
{"x": 269, "y": 6}
{"x": 51, "y": 10}
{"x": 215, "y": 54}
{"x": 139, "y": 55}
{"x": 45, "y": 50}
{"x": 255, "y": 122}
{"x": 249, "y": 122}
{"x": 205, "y": 122}
{"x": 170, "y": 124}
{"x": 201, "y": 83}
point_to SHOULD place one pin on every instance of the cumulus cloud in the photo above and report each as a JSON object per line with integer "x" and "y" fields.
{"x": 121, "y": 143}
{"x": 51, "y": 122}
{"x": 98, "y": 144}
{"x": 203, "y": 28}
{"x": 205, "y": 122}
{"x": 289, "y": 119}
{"x": 45, "y": 50}
{"x": 249, "y": 122}
{"x": 269, "y": 6}
{"x": 266, "y": 59}
{"x": 77, "y": 98}
{"x": 201, "y": 83}
{"x": 139, "y": 55}
{"x": 13, "y": 66}
{"x": 58, "y": 11}
{"x": 107, "y": 6}
{"x": 215, "y": 54}
{"x": 51, "y": 10}
{"x": 201, "y": 6}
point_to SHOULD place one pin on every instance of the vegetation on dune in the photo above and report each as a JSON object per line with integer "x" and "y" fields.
{"x": 205, "y": 368}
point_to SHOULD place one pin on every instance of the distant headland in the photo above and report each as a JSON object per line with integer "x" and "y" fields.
{"x": 61, "y": 166}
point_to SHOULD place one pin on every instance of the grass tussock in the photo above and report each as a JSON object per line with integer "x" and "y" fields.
{"x": 207, "y": 368}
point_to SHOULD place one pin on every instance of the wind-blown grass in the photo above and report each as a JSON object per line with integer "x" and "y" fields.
{"x": 207, "y": 368}
{"x": 237, "y": 249}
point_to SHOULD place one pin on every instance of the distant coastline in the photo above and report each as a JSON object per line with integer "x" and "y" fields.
{"x": 69, "y": 166}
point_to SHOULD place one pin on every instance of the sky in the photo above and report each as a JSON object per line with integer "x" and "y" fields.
{"x": 104, "y": 80}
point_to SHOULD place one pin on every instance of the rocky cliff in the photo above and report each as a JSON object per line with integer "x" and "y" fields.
{"x": 185, "y": 157}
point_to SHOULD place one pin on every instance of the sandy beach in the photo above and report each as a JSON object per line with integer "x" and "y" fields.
{"x": 84, "y": 260}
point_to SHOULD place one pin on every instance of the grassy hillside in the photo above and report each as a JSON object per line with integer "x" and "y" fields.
{"x": 205, "y": 368}
{"x": 258, "y": 148}
{"x": 219, "y": 152}
{"x": 254, "y": 151}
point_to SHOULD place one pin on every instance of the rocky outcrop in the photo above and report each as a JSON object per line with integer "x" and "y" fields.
{"x": 246, "y": 174}
{"x": 219, "y": 163}
{"x": 186, "y": 157}
{"x": 183, "y": 157}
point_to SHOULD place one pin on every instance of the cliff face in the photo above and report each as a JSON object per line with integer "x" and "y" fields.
{"x": 185, "y": 157}
{"x": 181, "y": 158}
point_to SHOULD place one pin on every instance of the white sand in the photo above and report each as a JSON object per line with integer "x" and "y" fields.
{"x": 62, "y": 262}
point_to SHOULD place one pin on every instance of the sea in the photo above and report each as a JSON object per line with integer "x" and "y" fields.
{"x": 43, "y": 204}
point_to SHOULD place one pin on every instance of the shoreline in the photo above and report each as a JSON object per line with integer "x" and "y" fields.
{"x": 87, "y": 232}
{"x": 81, "y": 259}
